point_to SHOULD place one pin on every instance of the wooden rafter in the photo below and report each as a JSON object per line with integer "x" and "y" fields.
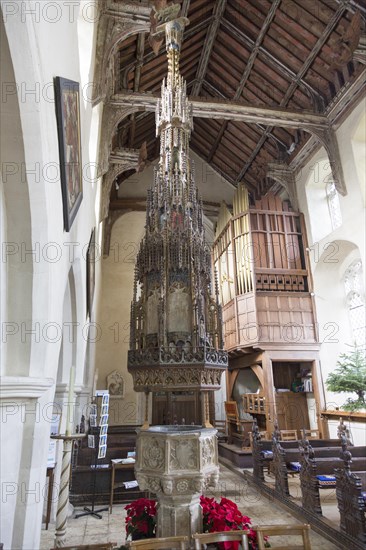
{"x": 247, "y": 70}
{"x": 207, "y": 48}
{"x": 314, "y": 52}
{"x": 150, "y": 56}
{"x": 185, "y": 8}
{"x": 231, "y": 51}
{"x": 270, "y": 58}
{"x": 352, "y": 5}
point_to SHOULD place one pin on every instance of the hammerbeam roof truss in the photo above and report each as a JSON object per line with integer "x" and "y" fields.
{"x": 273, "y": 59}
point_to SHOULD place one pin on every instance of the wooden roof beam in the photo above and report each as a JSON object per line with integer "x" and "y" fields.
{"x": 208, "y": 45}
{"x": 128, "y": 201}
{"x": 226, "y": 110}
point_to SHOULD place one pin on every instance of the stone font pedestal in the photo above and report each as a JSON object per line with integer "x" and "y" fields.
{"x": 177, "y": 463}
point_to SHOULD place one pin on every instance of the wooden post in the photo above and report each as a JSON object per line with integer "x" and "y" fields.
{"x": 63, "y": 495}
{"x": 319, "y": 399}
{"x": 145, "y": 425}
{"x": 206, "y": 411}
{"x": 269, "y": 392}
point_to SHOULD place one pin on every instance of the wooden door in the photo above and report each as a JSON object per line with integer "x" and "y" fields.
{"x": 292, "y": 411}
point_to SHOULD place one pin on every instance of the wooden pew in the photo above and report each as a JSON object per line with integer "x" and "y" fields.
{"x": 350, "y": 487}
{"x": 286, "y": 452}
{"x": 311, "y": 467}
{"x": 259, "y": 447}
{"x": 262, "y": 450}
{"x": 237, "y": 428}
{"x": 283, "y": 456}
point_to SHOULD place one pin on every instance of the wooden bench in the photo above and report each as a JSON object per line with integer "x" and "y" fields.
{"x": 83, "y": 477}
{"x": 288, "y": 435}
{"x": 284, "y": 457}
{"x": 262, "y": 454}
{"x": 237, "y": 428}
{"x": 102, "y": 546}
{"x": 351, "y": 492}
{"x": 204, "y": 540}
{"x": 311, "y": 434}
{"x": 312, "y": 466}
{"x": 272, "y": 531}
{"x": 221, "y": 428}
{"x": 169, "y": 543}
{"x": 260, "y": 447}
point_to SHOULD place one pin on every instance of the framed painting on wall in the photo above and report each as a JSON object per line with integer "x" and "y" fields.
{"x": 90, "y": 274}
{"x": 67, "y": 99}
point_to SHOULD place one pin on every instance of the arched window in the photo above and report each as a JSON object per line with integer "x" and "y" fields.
{"x": 333, "y": 204}
{"x": 353, "y": 283}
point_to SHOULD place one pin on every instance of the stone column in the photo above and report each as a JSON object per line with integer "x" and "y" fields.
{"x": 179, "y": 514}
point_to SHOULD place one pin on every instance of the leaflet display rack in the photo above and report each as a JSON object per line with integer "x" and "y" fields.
{"x": 97, "y": 440}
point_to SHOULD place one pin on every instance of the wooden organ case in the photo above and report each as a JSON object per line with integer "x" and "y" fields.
{"x": 265, "y": 284}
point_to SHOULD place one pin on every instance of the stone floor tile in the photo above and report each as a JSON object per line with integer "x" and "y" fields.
{"x": 260, "y": 508}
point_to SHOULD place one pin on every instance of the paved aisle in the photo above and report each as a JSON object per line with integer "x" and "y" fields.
{"x": 261, "y": 509}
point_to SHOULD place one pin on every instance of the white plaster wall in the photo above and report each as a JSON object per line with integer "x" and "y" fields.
{"x": 3, "y": 275}
{"x": 114, "y": 315}
{"x": 331, "y": 251}
{"x": 211, "y": 185}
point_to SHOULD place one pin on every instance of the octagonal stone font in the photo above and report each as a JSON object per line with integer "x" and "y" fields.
{"x": 177, "y": 463}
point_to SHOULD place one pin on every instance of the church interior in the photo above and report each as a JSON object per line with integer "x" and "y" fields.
{"x": 182, "y": 221}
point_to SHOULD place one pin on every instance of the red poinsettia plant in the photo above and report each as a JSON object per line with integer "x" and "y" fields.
{"x": 226, "y": 516}
{"x": 141, "y": 519}
{"x": 217, "y": 516}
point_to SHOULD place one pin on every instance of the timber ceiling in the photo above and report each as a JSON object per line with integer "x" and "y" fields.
{"x": 270, "y": 53}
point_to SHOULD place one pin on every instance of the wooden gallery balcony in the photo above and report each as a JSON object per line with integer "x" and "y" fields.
{"x": 264, "y": 278}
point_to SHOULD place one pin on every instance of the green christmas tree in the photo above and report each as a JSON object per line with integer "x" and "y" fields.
{"x": 350, "y": 377}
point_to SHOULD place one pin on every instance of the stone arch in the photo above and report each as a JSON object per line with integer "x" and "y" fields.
{"x": 317, "y": 202}
{"x": 112, "y": 117}
{"x": 68, "y": 348}
{"x": 86, "y": 40}
{"x": 246, "y": 381}
{"x": 332, "y": 313}
{"x": 358, "y": 141}
{"x": 109, "y": 223}
{"x": 23, "y": 196}
{"x": 114, "y": 171}
{"x": 335, "y": 333}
